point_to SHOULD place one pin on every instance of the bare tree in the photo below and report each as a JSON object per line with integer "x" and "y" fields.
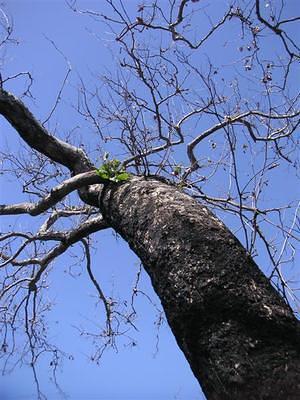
{"x": 202, "y": 136}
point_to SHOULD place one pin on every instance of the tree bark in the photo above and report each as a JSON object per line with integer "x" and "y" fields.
{"x": 239, "y": 336}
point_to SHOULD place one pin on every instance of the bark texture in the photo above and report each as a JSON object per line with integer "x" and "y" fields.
{"x": 240, "y": 338}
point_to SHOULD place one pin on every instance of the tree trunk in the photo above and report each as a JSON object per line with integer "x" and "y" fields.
{"x": 240, "y": 338}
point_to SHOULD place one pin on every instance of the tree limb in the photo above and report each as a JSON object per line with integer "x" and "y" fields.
{"x": 55, "y": 195}
{"x": 37, "y": 137}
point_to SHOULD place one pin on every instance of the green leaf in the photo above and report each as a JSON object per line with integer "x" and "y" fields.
{"x": 105, "y": 168}
{"x": 124, "y": 176}
{"x": 103, "y": 174}
{"x": 113, "y": 171}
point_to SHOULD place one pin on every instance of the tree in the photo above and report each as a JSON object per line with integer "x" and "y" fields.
{"x": 238, "y": 333}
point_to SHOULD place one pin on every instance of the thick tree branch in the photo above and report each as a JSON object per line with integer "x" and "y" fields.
{"x": 56, "y": 194}
{"x": 37, "y": 137}
{"x": 63, "y": 213}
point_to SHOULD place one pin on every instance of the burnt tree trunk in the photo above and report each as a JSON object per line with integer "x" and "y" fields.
{"x": 240, "y": 338}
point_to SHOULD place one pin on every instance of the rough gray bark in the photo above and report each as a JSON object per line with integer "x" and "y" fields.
{"x": 242, "y": 341}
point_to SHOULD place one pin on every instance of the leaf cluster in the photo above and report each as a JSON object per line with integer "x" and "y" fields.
{"x": 113, "y": 171}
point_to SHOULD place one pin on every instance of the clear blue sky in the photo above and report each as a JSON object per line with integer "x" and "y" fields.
{"x": 139, "y": 372}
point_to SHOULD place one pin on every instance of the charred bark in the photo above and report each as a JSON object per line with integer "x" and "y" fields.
{"x": 240, "y": 338}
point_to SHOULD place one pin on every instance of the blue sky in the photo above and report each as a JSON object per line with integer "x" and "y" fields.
{"x": 140, "y": 372}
